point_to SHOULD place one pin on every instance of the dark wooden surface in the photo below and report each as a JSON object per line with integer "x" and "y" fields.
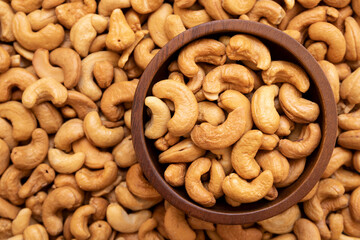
{"x": 282, "y": 47}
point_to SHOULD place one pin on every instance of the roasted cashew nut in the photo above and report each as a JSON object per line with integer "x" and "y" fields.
{"x": 184, "y": 151}
{"x": 160, "y": 116}
{"x": 65, "y": 163}
{"x": 6, "y": 19}
{"x": 269, "y": 10}
{"x": 249, "y": 49}
{"x": 296, "y": 108}
{"x": 275, "y": 162}
{"x": 79, "y": 222}
{"x": 68, "y": 133}
{"x": 175, "y": 174}
{"x": 176, "y": 225}
{"x": 190, "y": 17}
{"x": 80, "y": 104}
{"x": 43, "y": 68}
{"x": 173, "y": 26}
{"x": 332, "y": 76}
{"x": 207, "y": 136}
{"x": 144, "y": 52}
{"x": 145, "y": 6}
{"x": 238, "y": 7}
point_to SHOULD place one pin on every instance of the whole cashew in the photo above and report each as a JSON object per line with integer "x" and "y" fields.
{"x": 138, "y": 185}
{"x": 305, "y": 229}
{"x": 86, "y": 83}
{"x": 45, "y": 89}
{"x": 79, "y": 222}
{"x": 207, "y": 136}
{"x": 8, "y": 210}
{"x": 68, "y": 133}
{"x": 84, "y": 31}
{"x": 263, "y": 110}
{"x": 190, "y": 17}
{"x": 96, "y": 180}
{"x": 237, "y": 7}
{"x": 57, "y": 200}
{"x": 176, "y": 225}
{"x": 48, "y": 117}
{"x": 351, "y": 227}
{"x": 296, "y": 108}
{"x": 43, "y": 68}
{"x": 352, "y": 32}
{"x": 94, "y": 158}
{"x": 217, "y": 175}
{"x": 65, "y": 163}
{"x": 132, "y": 202}
{"x": 211, "y": 113}
{"x": 21, "y": 222}
{"x": 203, "y": 50}
{"x": 48, "y": 37}
{"x": 160, "y": 116}
{"x": 100, "y": 135}
{"x": 243, "y": 154}
{"x": 100, "y": 205}
{"x": 283, "y": 222}
{"x": 115, "y": 95}
{"x": 193, "y": 184}
{"x": 271, "y": 11}
{"x": 276, "y": 163}
{"x": 100, "y": 230}
{"x": 40, "y": 18}
{"x": 349, "y": 121}
{"x": 343, "y": 14}
{"x": 349, "y": 86}
{"x": 249, "y": 49}
{"x": 297, "y": 167}
{"x": 124, "y": 153}
{"x": 80, "y": 104}
{"x": 144, "y": 52}
{"x": 228, "y": 76}
{"x": 42, "y": 176}
{"x": 214, "y": 9}
{"x": 353, "y": 206}
{"x": 349, "y": 139}
{"x": 339, "y": 157}
{"x": 156, "y": 24}
{"x": 335, "y": 40}
{"x": 350, "y": 180}
{"x": 146, "y": 6}
{"x": 244, "y": 192}
{"x": 106, "y": 7}
{"x": 283, "y": 71}
{"x": 103, "y": 73}
{"x": 6, "y": 19}
{"x": 123, "y": 222}
{"x": 332, "y": 75}
{"x": 146, "y": 230}
{"x": 183, "y": 119}
{"x": 184, "y": 151}
{"x": 35, "y": 231}
{"x": 175, "y": 174}
{"x": 70, "y": 62}
{"x": 317, "y": 49}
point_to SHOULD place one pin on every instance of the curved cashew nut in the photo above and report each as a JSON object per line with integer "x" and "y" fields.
{"x": 70, "y": 63}
{"x": 42, "y": 176}
{"x": 203, "y": 50}
{"x": 80, "y": 103}
{"x": 228, "y": 76}
{"x": 48, "y": 37}
{"x": 146, "y": 230}
{"x": 332, "y": 76}
{"x": 296, "y": 168}
{"x": 176, "y": 225}
{"x": 184, "y": 3}
{"x": 79, "y": 222}
{"x": 296, "y": 108}
{"x": 132, "y": 202}
{"x": 308, "y": 17}
{"x": 352, "y": 33}
{"x": 100, "y": 135}
{"x": 14, "y": 77}
{"x": 275, "y": 162}
{"x": 22, "y": 120}
{"x": 207, "y": 136}
{"x": 106, "y": 7}
{"x": 144, "y": 52}
{"x": 6, "y": 134}
{"x": 243, "y": 154}
{"x": 238, "y": 7}
{"x": 86, "y": 83}
{"x": 184, "y": 151}
{"x": 124, "y": 153}
{"x": 65, "y": 163}
{"x": 190, "y": 17}
{"x": 263, "y": 110}
{"x": 123, "y": 222}
{"x": 6, "y": 19}
{"x": 120, "y": 35}
{"x": 160, "y": 116}
{"x": 96, "y": 180}
{"x": 40, "y": 18}
{"x": 43, "y": 67}
{"x": 8, "y": 210}
{"x": 138, "y": 185}
{"x": 173, "y": 26}
{"x": 186, "y": 107}
{"x": 100, "y": 230}
{"x": 317, "y": 49}
{"x": 303, "y": 147}
{"x": 283, "y": 222}
{"x": 156, "y": 24}
{"x": 353, "y": 206}
{"x": 348, "y": 88}
{"x": 217, "y": 175}
{"x": 21, "y": 222}
{"x": 31, "y": 155}
{"x": 193, "y": 185}
{"x": 5, "y": 60}
{"x": 244, "y": 192}
{"x": 35, "y": 231}
{"x": 326, "y": 32}
{"x": 283, "y": 71}
{"x": 214, "y": 9}
{"x": 68, "y": 133}
{"x": 211, "y": 113}
{"x": 57, "y": 200}
{"x": 48, "y": 117}
{"x": 44, "y": 89}
{"x": 103, "y": 73}
{"x": 94, "y": 158}
{"x": 349, "y": 121}
{"x": 85, "y": 30}
{"x": 339, "y": 157}
{"x": 349, "y": 139}
{"x": 115, "y": 95}
{"x": 135, "y": 19}
{"x": 146, "y": 6}
{"x": 351, "y": 227}
{"x": 249, "y": 49}
{"x": 272, "y": 11}
{"x": 175, "y": 174}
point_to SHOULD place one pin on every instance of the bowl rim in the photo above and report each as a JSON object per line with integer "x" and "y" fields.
{"x": 258, "y": 30}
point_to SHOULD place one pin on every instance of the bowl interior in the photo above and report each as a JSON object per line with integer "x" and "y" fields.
{"x": 245, "y": 213}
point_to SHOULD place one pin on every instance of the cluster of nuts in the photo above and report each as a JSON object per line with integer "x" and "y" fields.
{"x": 231, "y": 139}
{"x": 68, "y": 73}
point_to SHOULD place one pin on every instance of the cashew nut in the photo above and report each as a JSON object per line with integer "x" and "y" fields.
{"x": 65, "y": 163}
{"x": 238, "y": 7}
{"x": 190, "y": 17}
{"x": 184, "y": 151}
{"x": 176, "y": 225}
{"x": 276, "y": 163}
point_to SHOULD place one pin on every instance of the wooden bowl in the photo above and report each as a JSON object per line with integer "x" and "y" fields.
{"x": 282, "y": 47}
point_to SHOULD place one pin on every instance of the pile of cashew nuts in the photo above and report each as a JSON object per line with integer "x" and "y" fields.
{"x": 68, "y": 73}
{"x": 232, "y": 139}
